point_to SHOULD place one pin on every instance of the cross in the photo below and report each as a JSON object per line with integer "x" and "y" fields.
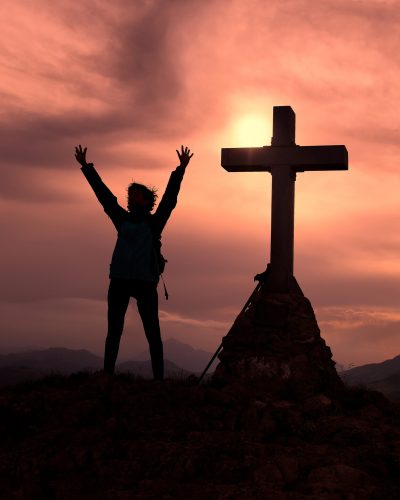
{"x": 283, "y": 159}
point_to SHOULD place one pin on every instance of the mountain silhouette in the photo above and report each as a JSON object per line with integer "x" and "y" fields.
{"x": 184, "y": 355}
{"x": 31, "y": 365}
{"x": 373, "y": 371}
{"x": 57, "y": 359}
{"x": 180, "y": 360}
{"x": 383, "y": 377}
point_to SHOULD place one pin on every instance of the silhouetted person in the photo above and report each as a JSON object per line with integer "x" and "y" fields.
{"x": 135, "y": 265}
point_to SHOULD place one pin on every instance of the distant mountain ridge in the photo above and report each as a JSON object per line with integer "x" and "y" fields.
{"x": 60, "y": 359}
{"x": 383, "y": 377}
{"x": 184, "y": 355}
{"x": 373, "y": 371}
{"x": 33, "y": 364}
{"x": 180, "y": 361}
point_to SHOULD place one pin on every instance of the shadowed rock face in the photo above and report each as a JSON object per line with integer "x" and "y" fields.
{"x": 90, "y": 437}
{"x": 275, "y": 345}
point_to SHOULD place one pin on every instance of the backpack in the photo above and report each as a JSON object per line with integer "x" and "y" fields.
{"x": 160, "y": 259}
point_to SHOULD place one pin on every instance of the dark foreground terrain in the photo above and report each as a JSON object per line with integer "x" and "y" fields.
{"x": 87, "y": 437}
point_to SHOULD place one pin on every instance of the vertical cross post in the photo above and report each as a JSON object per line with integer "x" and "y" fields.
{"x": 282, "y": 209}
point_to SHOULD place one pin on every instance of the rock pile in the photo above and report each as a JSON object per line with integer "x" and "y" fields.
{"x": 275, "y": 347}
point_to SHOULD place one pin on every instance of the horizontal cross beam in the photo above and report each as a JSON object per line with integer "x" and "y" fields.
{"x": 301, "y": 158}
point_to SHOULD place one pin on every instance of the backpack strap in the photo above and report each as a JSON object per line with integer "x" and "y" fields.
{"x": 165, "y": 288}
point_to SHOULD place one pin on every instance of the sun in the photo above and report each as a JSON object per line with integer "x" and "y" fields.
{"x": 251, "y": 130}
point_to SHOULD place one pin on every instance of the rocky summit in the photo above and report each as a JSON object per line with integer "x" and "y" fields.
{"x": 276, "y": 346}
{"x": 87, "y": 436}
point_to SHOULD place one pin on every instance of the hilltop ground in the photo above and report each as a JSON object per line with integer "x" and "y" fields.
{"x": 86, "y": 437}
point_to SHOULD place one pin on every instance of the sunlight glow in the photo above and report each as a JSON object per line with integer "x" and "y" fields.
{"x": 251, "y": 130}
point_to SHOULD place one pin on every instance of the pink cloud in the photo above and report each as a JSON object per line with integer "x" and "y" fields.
{"x": 139, "y": 79}
{"x": 360, "y": 335}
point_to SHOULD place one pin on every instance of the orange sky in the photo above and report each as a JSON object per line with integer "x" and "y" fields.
{"x": 133, "y": 81}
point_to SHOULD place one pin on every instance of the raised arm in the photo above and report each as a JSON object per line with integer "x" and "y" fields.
{"x": 170, "y": 197}
{"x": 103, "y": 194}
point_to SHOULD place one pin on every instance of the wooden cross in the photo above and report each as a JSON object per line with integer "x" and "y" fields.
{"x": 283, "y": 159}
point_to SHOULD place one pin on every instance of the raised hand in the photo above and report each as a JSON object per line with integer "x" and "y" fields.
{"x": 80, "y": 155}
{"x": 184, "y": 156}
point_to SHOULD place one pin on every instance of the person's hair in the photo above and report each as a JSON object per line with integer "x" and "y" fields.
{"x": 149, "y": 194}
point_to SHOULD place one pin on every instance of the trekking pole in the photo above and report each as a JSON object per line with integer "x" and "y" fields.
{"x": 255, "y": 291}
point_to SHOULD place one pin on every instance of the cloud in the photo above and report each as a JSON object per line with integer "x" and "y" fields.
{"x": 359, "y": 335}
{"x": 72, "y": 323}
{"x": 128, "y": 87}
{"x": 138, "y": 71}
{"x": 141, "y": 77}
{"x": 35, "y": 187}
{"x": 37, "y": 141}
{"x": 210, "y": 324}
{"x": 141, "y": 55}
